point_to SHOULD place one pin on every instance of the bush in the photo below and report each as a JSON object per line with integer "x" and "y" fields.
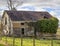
{"x": 48, "y": 25}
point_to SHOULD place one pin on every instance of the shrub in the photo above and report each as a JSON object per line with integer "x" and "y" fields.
{"x": 48, "y": 25}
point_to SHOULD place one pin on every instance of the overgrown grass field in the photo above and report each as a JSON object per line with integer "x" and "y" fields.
{"x": 29, "y": 42}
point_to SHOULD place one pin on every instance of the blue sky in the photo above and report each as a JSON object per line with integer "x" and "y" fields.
{"x": 52, "y": 6}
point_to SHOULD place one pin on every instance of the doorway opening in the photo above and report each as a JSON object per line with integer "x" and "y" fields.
{"x": 22, "y": 31}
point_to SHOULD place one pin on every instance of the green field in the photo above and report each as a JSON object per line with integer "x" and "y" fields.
{"x": 1, "y": 45}
{"x": 58, "y": 31}
{"x": 29, "y": 42}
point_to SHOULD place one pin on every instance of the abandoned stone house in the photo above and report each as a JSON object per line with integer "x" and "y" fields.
{"x": 15, "y": 22}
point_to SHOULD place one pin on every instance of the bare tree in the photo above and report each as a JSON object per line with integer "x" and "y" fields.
{"x": 12, "y": 4}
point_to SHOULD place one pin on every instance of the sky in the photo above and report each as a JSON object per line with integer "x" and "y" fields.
{"x": 52, "y": 6}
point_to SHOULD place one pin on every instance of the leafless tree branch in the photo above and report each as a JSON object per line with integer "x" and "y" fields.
{"x": 14, "y": 3}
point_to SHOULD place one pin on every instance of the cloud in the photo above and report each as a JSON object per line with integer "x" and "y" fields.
{"x": 30, "y": 8}
{"x": 42, "y": 2}
{"x": 55, "y": 14}
{"x": 52, "y": 6}
{"x": 52, "y": 13}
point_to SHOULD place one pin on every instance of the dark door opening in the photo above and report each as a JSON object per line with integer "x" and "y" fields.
{"x": 22, "y": 31}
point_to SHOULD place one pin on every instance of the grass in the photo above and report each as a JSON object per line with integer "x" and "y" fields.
{"x": 2, "y": 45}
{"x": 29, "y": 42}
{"x": 58, "y": 31}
